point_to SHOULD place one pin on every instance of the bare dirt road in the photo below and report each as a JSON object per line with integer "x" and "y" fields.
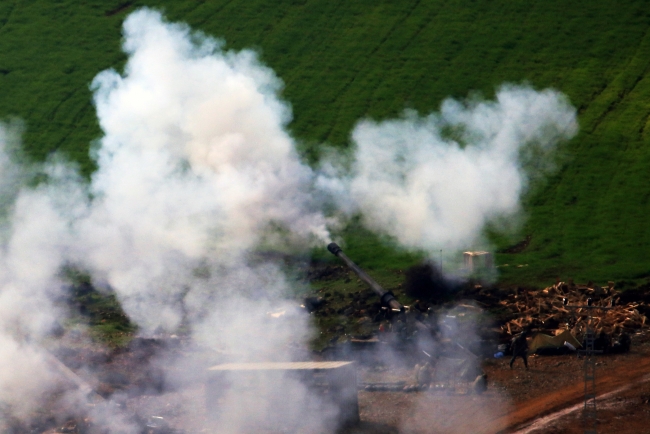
{"x": 518, "y": 398}
{"x": 624, "y": 378}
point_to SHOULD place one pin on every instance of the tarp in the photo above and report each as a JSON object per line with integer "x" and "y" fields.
{"x": 546, "y": 341}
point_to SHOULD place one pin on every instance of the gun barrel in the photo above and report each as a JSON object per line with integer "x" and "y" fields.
{"x": 387, "y": 298}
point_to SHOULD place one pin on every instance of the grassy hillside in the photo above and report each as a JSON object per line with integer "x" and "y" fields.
{"x": 344, "y": 60}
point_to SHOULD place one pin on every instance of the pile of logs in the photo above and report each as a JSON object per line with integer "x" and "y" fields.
{"x": 546, "y": 309}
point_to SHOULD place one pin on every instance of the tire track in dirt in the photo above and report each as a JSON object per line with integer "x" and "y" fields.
{"x": 627, "y": 374}
{"x": 544, "y": 421}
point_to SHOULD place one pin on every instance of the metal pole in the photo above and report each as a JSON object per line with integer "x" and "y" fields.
{"x": 589, "y": 412}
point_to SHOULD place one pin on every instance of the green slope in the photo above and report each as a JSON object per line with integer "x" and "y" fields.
{"x": 343, "y": 60}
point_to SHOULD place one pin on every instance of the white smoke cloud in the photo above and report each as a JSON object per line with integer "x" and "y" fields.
{"x": 195, "y": 172}
{"x": 434, "y": 182}
{"x": 195, "y": 167}
{"x": 32, "y": 250}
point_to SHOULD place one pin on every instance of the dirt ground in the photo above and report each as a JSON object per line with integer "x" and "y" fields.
{"x": 626, "y": 411}
{"x": 518, "y": 400}
{"x": 547, "y": 398}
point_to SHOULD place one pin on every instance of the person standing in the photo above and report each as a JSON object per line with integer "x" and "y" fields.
{"x": 519, "y": 347}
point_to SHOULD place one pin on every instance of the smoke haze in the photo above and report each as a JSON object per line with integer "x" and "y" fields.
{"x": 194, "y": 169}
{"x": 433, "y": 182}
{"x": 196, "y": 172}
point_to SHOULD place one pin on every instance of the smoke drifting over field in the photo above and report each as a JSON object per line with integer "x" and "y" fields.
{"x": 434, "y": 182}
{"x": 196, "y": 171}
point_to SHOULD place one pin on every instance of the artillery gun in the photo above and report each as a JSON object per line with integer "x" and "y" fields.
{"x": 419, "y": 338}
{"x": 387, "y": 298}
{"x": 396, "y": 310}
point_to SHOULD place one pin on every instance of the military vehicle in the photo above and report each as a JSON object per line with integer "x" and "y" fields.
{"x": 419, "y": 338}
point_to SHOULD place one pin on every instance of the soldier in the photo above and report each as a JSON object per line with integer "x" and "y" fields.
{"x": 423, "y": 375}
{"x": 625, "y": 342}
{"x": 603, "y": 342}
{"x": 519, "y": 347}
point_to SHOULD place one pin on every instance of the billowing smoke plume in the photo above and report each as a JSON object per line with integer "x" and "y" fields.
{"x": 197, "y": 175}
{"x": 195, "y": 168}
{"x": 434, "y": 182}
{"x": 196, "y": 171}
{"x": 33, "y": 239}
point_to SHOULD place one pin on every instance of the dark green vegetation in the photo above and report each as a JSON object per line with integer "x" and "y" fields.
{"x": 345, "y": 60}
{"x": 350, "y": 308}
{"x": 100, "y": 311}
{"x": 343, "y": 306}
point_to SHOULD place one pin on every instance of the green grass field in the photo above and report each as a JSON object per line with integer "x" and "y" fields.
{"x": 342, "y": 61}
